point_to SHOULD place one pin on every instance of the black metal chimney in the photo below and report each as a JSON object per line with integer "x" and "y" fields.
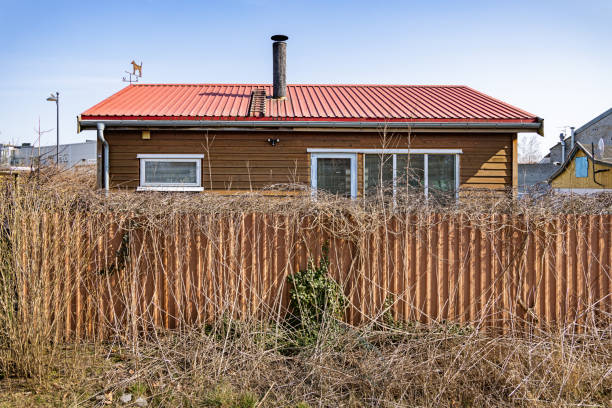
{"x": 279, "y": 66}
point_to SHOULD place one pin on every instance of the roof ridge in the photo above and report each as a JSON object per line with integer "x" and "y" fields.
{"x": 593, "y": 121}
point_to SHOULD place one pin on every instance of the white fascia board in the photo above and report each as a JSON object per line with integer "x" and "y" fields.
{"x": 169, "y": 156}
{"x": 385, "y": 151}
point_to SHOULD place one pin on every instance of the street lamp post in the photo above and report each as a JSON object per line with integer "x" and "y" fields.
{"x": 55, "y": 98}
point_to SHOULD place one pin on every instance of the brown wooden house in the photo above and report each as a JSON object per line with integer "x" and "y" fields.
{"x": 345, "y": 139}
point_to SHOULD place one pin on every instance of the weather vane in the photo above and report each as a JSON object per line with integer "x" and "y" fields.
{"x": 133, "y": 76}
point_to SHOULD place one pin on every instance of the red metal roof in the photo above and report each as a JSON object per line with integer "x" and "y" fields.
{"x": 445, "y": 103}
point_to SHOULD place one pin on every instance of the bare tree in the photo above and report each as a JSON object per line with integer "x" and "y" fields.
{"x": 36, "y": 161}
{"x": 529, "y": 148}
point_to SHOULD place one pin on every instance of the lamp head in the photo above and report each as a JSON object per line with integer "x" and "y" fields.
{"x": 52, "y": 98}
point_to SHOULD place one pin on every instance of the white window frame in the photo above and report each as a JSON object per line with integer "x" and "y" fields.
{"x": 333, "y": 155}
{"x": 457, "y": 167}
{"x": 385, "y": 151}
{"x": 191, "y": 158}
{"x": 426, "y": 153}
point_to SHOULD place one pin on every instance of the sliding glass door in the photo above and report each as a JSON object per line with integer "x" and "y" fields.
{"x": 435, "y": 175}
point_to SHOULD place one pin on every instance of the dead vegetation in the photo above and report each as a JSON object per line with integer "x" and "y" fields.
{"x": 272, "y": 362}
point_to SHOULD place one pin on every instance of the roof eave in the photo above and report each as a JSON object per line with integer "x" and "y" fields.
{"x": 537, "y": 126}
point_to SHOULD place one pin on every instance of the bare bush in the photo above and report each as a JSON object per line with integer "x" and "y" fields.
{"x": 54, "y": 222}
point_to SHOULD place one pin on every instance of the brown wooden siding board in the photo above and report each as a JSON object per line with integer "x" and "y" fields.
{"x": 486, "y": 161}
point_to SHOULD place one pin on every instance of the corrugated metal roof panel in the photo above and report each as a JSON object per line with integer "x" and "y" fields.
{"x": 306, "y": 102}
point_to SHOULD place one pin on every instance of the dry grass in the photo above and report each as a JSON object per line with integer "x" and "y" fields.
{"x": 252, "y": 363}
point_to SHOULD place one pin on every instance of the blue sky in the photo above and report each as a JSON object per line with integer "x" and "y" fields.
{"x": 552, "y": 58}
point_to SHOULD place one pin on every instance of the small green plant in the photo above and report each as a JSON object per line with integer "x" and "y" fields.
{"x": 223, "y": 396}
{"x": 138, "y": 389}
{"x": 387, "y": 317}
{"x": 245, "y": 400}
{"x": 315, "y": 299}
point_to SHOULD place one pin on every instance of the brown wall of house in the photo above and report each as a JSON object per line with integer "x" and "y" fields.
{"x": 242, "y": 160}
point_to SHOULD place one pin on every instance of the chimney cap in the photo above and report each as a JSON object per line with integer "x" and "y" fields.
{"x": 279, "y": 37}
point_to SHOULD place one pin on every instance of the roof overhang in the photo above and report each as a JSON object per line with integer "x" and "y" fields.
{"x": 305, "y": 125}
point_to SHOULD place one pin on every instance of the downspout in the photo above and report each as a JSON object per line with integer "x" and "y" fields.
{"x": 593, "y": 161}
{"x": 105, "y": 171}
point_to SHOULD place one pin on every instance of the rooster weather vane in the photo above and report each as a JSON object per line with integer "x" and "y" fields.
{"x": 133, "y": 76}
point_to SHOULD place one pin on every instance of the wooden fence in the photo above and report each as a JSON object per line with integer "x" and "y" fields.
{"x": 97, "y": 276}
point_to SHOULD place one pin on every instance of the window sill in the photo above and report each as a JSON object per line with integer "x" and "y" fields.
{"x": 162, "y": 188}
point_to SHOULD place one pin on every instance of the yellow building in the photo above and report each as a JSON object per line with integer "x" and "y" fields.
{"x": 586, "y": 170}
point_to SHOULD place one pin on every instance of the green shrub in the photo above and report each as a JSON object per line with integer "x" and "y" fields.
{"x": 315, "y": 299}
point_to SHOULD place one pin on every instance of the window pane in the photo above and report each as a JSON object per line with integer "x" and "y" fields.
{"x": 169, "y": 172}
{"x": 334, "y": 176}
{"x": 441, "y": 174}
{"x": 582, "y": 166}
{"x": 378, "y": 172}
{"x": 411, "y": 171}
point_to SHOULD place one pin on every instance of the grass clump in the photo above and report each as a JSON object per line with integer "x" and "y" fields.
{"x": 224, "y": 396}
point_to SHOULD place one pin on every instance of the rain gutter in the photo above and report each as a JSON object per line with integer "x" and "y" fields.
{"x": 302, "y": 124}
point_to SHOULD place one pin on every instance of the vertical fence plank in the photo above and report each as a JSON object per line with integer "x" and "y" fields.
{"x": 453, "y": 268}
{"x": 582, "y": 270}
{"x": 593, "y": 281}
{"x": 432, "y": 268}
{"x": 605, "y": 272}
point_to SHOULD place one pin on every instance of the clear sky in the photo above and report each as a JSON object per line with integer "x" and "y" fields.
{"x": 551, "y": 58}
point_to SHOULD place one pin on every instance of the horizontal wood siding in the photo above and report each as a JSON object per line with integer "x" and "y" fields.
{"x": 245, "y": 160}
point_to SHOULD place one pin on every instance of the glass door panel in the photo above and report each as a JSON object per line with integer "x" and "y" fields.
{"x": 411, "y": 171}
{"x": 378, "y": 173}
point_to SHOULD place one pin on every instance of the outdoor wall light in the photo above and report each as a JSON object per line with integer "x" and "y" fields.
{"x": 273, "y": 142}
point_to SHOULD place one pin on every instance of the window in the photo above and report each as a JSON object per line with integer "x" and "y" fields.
{"x": 335, "y": 173}
{"x": 378, "y": 173}
{"x": 582, "y": 167}
{"x": 411, "y": 171}
{"x": 171, "y": 172}
{"x": 435, "y": 174}
{"x": 441, "y": 178}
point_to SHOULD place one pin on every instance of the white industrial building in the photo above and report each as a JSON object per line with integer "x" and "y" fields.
{"x": 27, "y": 156}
